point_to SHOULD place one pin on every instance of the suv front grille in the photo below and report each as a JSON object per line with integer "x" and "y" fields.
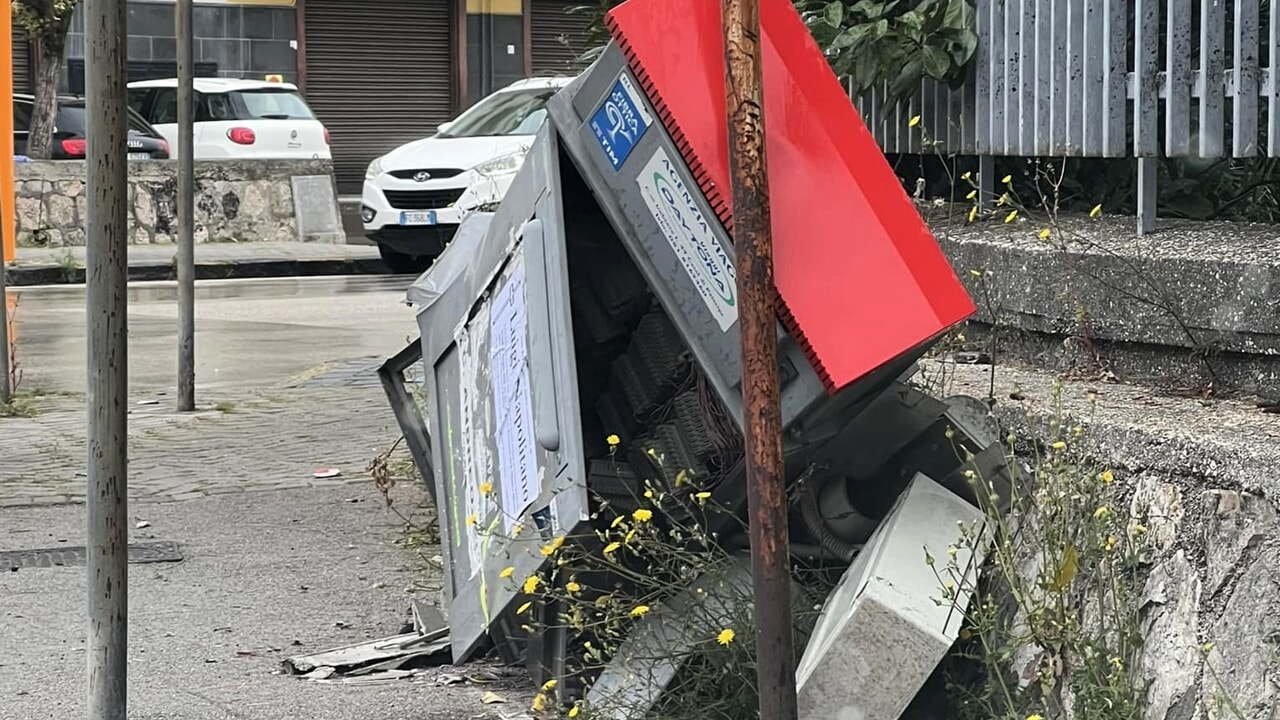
{"x": 423, "y": 199}
{"x": 435, "y": 173}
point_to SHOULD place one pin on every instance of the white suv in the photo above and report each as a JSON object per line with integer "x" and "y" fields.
{"x": 236, "y": 119}
{"x": 415, "y": 196}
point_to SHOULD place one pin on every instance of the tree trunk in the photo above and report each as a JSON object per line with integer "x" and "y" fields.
{"x": 48, "y": 71}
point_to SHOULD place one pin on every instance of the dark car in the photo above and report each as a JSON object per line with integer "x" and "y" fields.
{"x": 71, "y": 131}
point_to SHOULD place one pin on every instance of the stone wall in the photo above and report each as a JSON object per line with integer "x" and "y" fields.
{"x": 236, "y": 201}
{"x": 1211, "y": 614}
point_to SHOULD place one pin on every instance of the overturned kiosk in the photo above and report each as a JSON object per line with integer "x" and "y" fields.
{"x": 581, "y": 373}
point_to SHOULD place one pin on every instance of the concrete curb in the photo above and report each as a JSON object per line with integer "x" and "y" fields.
{"x": 1191, "y": 306}
{"x": 29, "y": 275}
{"x": 1192, "y": 442}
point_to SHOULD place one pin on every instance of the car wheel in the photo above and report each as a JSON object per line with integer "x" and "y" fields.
{"x": 402, "y": 264}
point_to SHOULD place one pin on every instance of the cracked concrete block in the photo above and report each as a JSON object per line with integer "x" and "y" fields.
{"x": 883, "y": 630}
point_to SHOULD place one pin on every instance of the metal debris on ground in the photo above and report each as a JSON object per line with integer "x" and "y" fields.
{"x": 390, "y": 658}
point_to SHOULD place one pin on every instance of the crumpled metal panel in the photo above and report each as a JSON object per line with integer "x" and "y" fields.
{"x": 506, "y": 437}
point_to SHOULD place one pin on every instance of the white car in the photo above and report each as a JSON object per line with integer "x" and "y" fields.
{"x": 416, "y": 195}
{"x": 236, "y": 119}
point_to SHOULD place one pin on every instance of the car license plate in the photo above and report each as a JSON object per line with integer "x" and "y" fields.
{"x": 420, "y": 217}
{"x": 139, "y": 156}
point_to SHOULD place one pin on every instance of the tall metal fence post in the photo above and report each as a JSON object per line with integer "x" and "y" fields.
{"x": 1147, "y": 168}
{"x": 186, "y": 209}
{"x": 757, "y": 321}
{"x": 106, "y": 277}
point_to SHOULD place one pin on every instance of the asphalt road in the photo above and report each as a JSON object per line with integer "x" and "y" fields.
{"x": 248, "y": 332}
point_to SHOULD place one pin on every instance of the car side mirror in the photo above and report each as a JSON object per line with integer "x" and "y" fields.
{"x": 444, "y": 127}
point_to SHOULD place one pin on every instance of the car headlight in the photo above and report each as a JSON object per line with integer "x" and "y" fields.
{"x": 374, "y": 169}
{"x": 502, "y": 164}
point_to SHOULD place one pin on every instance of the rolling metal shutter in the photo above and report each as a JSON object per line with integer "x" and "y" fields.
{"x": 557, "y": 38}
{"x": 21, "y": 62}
{"x": 378, "y": 74}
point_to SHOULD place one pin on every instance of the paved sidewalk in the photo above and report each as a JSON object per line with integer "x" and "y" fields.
{"x": 271, "y": 438}
{"x": 265, "y": 576}
{"x": 42, "y": 266}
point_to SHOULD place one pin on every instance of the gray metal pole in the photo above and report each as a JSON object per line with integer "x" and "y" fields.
{"x": 186, "y": 211}
{"x": 106, "y": 277}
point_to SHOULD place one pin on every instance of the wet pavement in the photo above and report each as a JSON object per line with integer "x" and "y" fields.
{"x": 248, "y": 332}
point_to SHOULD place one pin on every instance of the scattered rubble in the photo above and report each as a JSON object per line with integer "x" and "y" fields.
{"x": 390, "y": 658}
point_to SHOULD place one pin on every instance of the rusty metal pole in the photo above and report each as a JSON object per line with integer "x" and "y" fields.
{"x": 757, "y": 324}
{"x": 106, "y": 277}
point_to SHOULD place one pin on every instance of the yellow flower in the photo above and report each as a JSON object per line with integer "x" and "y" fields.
{"x": 642, "y": 515}
{"x": 702, "y": 497}
{"x": 966, "y": 175}
{"x": 486, "y": 488}
{"x": 611, "y": 547}
{"x": 648, "y": 494}
{"x": 953, "y": 550}
{"x": 972, "y": 194}
{"x": 1044, "y": 234}
{"x": 572, "y": 586}
{"x": 1102, "y": 512}
{"x": 914, "y": 121}
{"x": 613, "y": 440}
{"x": 973, "y": 213}
{"x": 549, "y": 550}
{"x": 1096, "y": 211}
{"x": 1013, "y": 215}
{"x": 1059, "y": 445}
{"x": 1139, "y": 529}
{"x": 507, "y": 572}
{"x": 1206, "y": 648}
{"x": 631, "y": 534}
{"x": 1003, "y": 199}
{"x": 472, "y": 519}
{"x": 1007, "y": 179}
{"x": 521, "y": 610}
{"x": 639, "y": 610}
{"x": 539, "y": 702}
{"x": 1035, "y": 716}
{"x": 549, "y": 685}
{"x": 1107, "y": 477}
{"x": 573, "y": 711}
{"x": 531, "y": 584}
{"x": 726, "y": 636}
{"x": 517, "y": 529}
{"x": 976, "y": 273}
{"x": 1111, "y": 543}
{"x": 617, "y": 521}
{"x": 682, "y": 477}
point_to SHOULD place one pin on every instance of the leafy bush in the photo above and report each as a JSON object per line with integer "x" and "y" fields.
{"x": 894, "y": 43}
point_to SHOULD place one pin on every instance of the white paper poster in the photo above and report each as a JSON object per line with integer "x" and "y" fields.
{"x": 512, "y": 401}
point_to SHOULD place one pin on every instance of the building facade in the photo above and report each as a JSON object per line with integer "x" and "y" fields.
{"x": 378, "y": 73}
